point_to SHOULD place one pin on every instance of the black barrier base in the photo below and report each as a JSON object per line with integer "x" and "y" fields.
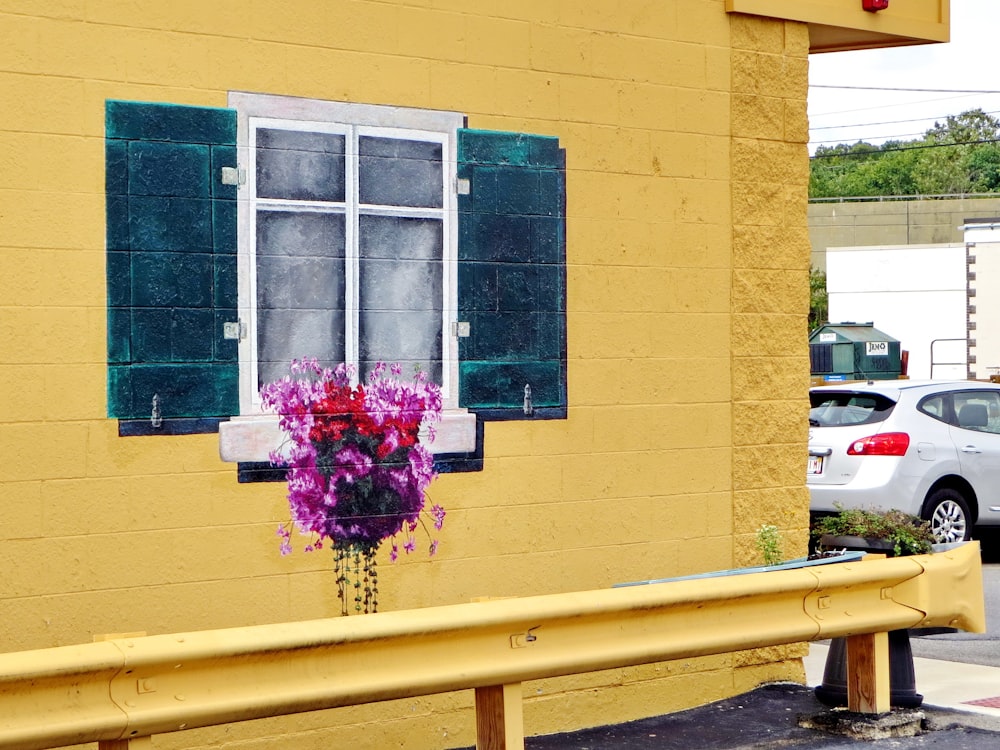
{"x": 902, "y": 681}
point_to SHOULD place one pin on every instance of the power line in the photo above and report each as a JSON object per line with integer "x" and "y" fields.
{"x": 887, "y": 106}
{"x": 902, "y": 88}
{"x": 897, "y": 137}
{"x": 882, "y": 138}
{"x": 893, "y": 122}
{"x": 877, "y": 150}
{"x": 894, "y": 136}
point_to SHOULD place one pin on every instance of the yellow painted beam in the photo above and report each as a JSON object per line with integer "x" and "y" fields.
{"x": 136, "y": 687}
{"x": 955, "y": 578}
{"x": 836, "y": 25}
{"x": 60, "y": 693}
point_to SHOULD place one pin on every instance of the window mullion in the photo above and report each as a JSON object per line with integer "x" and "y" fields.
{"x": 248, "y": 344}
{"x": 449, "y": 273}
{"x": 352, "y": 262}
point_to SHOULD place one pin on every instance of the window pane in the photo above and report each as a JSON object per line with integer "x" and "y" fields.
{"x": 833, "y": 409}
{"x": 395, "y": 172}
{"x": 401, "y": 293}
{"x": 300, "y": 290}
{"x": 934, "y": 406}
{"x": 300, "y": 166}
{"x": 978, "y": 410}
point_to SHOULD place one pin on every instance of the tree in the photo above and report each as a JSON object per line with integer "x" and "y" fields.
{"x": 959, "y": 155}
{"x": 968, "y": 127}
{"x": 984, "y": 168}
{"x": 818, "y": 299}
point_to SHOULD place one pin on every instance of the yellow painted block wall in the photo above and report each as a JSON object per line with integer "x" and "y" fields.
{"x": 687, "y": 259}
{"x": 770, "y": 280}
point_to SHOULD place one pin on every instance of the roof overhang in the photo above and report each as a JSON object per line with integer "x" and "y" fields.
{"x": 837, "y": 25}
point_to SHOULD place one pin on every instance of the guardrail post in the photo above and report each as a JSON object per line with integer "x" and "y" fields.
{"x": 499, "y": 718}
{"x": 868, "y": 689}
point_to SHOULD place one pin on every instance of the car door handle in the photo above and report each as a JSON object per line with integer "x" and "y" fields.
{"x": 971, "y": 449}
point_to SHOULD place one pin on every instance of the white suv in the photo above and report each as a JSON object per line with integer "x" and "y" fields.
{"x": 930, "y": 448}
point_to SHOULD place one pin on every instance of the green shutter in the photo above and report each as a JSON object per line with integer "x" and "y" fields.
{"x": 171, "y": 263}
{"x": 512, "y": 274}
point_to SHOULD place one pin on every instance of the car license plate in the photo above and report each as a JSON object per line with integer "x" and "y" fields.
{"x": 815, "y": 465}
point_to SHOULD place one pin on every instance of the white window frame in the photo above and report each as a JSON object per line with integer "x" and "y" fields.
{"x": 251, "y": 435}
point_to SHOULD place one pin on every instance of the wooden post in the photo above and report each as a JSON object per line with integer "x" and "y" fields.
{"x": 499, "y": 718}
{"x": 868, "y": 689}
{"x": 136, "y": 743}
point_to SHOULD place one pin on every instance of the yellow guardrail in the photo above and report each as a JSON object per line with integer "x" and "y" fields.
{"x": 119, "y": 691}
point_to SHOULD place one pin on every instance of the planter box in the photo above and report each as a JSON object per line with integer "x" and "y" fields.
{"x": 856, "y": 543}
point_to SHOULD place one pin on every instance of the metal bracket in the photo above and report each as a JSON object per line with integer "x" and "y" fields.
{"x": 460, "y": 329}
{"x": 156, "y": 416}
{"x": 234, "y": 330}
{"x": 233, "y": 176}
{"x": 521, "y": 640}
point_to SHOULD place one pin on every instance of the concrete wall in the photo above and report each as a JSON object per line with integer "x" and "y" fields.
{"x": 687, "y": 255}
{"x": 893, "y": 222}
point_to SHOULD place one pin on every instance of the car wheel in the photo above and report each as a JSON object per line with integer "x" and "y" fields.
{"x": 948, "y": 515}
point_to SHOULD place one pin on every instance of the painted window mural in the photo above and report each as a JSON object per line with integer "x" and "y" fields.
{"x": 349, "y": 232}
{"x": 242, "y": 237}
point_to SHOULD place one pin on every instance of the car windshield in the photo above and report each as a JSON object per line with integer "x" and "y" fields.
{"x": 846, "y": 408}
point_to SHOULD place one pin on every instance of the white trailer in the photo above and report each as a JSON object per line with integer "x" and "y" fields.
{"x": 917, "y": 294}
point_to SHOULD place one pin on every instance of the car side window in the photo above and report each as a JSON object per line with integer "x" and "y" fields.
{"x": 936, "y": 406}
{"x": 977, "y": 410}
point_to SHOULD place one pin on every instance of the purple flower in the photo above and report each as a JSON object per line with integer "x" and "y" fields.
{"x": 357, "y": 471}
{"x": 438, "y": 514}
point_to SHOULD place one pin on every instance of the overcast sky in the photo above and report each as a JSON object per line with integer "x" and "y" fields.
{"x": 968, "y": 62}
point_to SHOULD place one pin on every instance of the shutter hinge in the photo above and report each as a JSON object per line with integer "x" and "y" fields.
{"x": 462, "y": 186}
{"x": 460, "y": 329}
{"x": 233, "y": 176}
{"x": 234, "y": 330}
{"x": 529, "y": 408}
{"x": 156, "y": 416}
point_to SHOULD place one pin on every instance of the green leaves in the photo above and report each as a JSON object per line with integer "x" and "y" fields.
{"x": 819, "y": 306}
{"x": 960, "y": 155}
{"x": 908, "y": 534}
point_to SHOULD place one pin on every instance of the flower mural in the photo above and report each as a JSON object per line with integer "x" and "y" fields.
{"x": 357, "y": 469}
